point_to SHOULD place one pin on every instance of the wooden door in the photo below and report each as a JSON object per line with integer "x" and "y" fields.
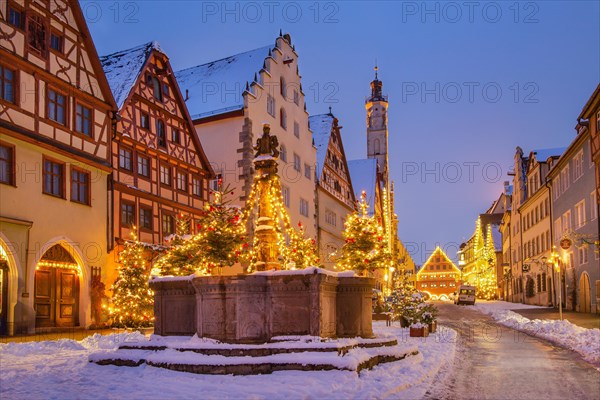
{"x": 56, "y": 297}
{"x": 67, "y": 296}
{"x": 44, "y": 297}
{"x": 3, "y": 298}
{"x": 585, "y": 299}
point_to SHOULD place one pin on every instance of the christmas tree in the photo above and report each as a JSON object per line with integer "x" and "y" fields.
{"x": 219, "y": 242}
{"x": 365, "y": 247}
{"x": 132, "y": 303}
{"x": 301, "y": 252}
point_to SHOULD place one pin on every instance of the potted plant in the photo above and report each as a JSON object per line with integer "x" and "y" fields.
{"x": 414, "y": 315}
{"x": 429, "y": 316}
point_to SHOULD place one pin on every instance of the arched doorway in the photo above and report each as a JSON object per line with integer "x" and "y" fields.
{"x": 56, "y": 289}
{"x": 3, "y": 297}
{"x": 585, "y": 299}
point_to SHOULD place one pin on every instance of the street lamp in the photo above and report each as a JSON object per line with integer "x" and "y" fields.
{"x": 555, "y": 261}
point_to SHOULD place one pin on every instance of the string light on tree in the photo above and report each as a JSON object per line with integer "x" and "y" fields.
{"x": 365, "y": 246}
{"x": 132, "y": 302}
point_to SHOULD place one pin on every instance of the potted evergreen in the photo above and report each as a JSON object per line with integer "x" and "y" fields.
{"x": 429, "y": 316}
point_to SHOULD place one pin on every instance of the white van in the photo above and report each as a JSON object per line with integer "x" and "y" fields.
{"x": 465, "y": 295}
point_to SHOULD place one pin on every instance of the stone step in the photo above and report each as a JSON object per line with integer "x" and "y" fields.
{"x": 355, "y": 359}
{"x": 265, "y": 350}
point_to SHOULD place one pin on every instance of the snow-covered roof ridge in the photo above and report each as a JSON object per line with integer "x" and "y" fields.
{"x": 123, "y": 68}
{"x": 217, "y": 87}
{"x": 321, "y": 126}
{"x": 363, "y": 174}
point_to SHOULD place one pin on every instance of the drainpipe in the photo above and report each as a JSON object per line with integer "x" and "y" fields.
{"x": 548, "y": 185}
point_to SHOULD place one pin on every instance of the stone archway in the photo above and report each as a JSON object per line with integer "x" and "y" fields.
{"x": 57, "y": 289}
{"x": 585, "y": 299}
{"x": 8, "y": 287}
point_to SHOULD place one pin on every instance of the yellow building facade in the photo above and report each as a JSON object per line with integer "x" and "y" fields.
{"x": 55, "y": 131}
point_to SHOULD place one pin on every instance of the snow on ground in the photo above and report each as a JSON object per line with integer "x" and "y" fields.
{"x": 60, "y": 370}
{"x": 563, "y": 333}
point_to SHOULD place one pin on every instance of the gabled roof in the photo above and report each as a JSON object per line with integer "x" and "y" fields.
{"x": 92, "y": 52}
{"x": 363, "y": 174}
{"x": 217, "y": 87}
{"x": 123, "y": 68}
{"x": 437, "y": 251}
{"x": 591, "y": 104}
{"x": 321, "y": 126}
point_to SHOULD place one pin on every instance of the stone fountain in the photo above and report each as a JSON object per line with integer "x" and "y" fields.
{"x": 254, "y": 308}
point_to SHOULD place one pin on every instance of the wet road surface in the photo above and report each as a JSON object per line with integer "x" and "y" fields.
{"x": 496, "y": 362}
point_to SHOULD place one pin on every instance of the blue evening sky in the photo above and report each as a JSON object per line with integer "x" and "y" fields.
{"x": 467, "y": 82}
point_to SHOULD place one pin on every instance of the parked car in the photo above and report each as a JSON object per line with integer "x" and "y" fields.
{"x": 466, "y": 295}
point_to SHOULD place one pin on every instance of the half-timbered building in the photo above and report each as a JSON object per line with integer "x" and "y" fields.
{"x": 55, "y": 136}
{"x": 160, "y": 172}
{"x": 335, "y": 196}
{"x": 439, "y": 276}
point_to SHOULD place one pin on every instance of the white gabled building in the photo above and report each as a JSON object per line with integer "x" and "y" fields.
{"x": 230, "y": 99}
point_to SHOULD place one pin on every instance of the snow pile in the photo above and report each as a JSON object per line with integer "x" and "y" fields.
{"x": 67, "y": 374}
{"x": 306, "y": 271}
{"x": 563, "y": 333}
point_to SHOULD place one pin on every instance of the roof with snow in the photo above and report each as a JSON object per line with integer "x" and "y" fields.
{"x": 497, "y": 237}
{"x": 217, "y": 87}
{"x": 542, "y": 155}
{"x": 123, "y": 68}
{"x": 364, "y": 177}
{"x": 321, "y": 126}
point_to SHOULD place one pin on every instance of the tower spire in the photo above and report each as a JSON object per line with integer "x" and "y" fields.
{"x": 376, "y": 69}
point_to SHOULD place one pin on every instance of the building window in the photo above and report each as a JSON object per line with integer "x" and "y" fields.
{"x": 7, "y": 164}
{"x": 127, "y": 214}
{"x": 285, "y": 193}
{"x": 580, "y": 213}
{"x": 197, "y": 187}
{"x": 271, "y": 105}
{"x": 283, "y": 153}
{"x": 143, "y": 166}
{"x": 160, "y": 133}
{"x": 83, "y": 120}
{"x": 80, "y": 186}
{"x": 307, "y": 171}
{"x": 168, "y": 225}
{"x": 578, "y": 164}
{"x": 16, "y": 18}
{"x": 54, "y": 178}
{"x": 57, "y": 104}
{"x": 125, "y": 159}
{"x": 297, "y": 162}
{"x": 593, "y": 206}
{"x": 175, "y": 137}
{"x": 304, "y": 207}
{"x": 56, "y": 42}
{"x": 565, "y": 179}
{"x": 282, "y": 87}
{"x": 154, "y": 83}
{"x": 217, "y": 183}
{"x": 330, "y": 217}
{"x": 165, "y": 175}
{"x": 146, "y": 218}
{"x": 7, "y": 84}
{"x": 181, "y": 181}
{"x": 583, "y": 255}
{"x": 283, "y": 118}
{"x": 36, "y": 34}
{"x": 296, "y": 97}
{"x": 296, "y": 129}
{"x": 566, "y": 222}
{"x": 145, "y": 120}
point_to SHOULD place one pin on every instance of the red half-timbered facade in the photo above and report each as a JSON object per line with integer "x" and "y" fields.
{"x": 159, "y": 168}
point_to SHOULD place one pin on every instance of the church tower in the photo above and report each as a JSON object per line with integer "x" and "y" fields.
{"x": 377, "y": 131}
